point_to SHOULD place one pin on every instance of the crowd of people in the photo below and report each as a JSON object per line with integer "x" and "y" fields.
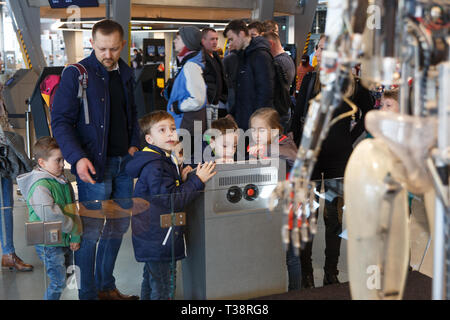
{"x": 244, "y": 90}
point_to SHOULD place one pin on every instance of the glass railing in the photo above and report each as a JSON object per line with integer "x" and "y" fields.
{"x": 227, "y": 244}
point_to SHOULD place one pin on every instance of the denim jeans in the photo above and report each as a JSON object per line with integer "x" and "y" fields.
{"x": 156, "y": 281}
{"x": 53, "y": 258}
{"x": 294, "y": 269}
{"x": 97, "y": 263}
{"x": 6, "y": 216}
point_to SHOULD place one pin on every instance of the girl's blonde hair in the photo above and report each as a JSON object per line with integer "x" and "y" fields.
{"x": 270, "y": 116}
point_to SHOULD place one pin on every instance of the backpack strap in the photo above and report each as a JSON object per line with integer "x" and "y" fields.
{"x": 83, "y": 84}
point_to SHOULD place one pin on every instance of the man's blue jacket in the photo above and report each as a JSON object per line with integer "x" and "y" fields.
{"x": 75, "y": 137}
{"x": 255, "y": 81}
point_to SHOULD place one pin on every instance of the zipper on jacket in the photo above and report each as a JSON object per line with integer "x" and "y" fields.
{"x": 104, "y": 119}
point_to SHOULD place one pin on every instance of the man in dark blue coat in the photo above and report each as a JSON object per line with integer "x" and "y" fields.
{"x": 98, "y": 134}
{"x": 256, "y": 73}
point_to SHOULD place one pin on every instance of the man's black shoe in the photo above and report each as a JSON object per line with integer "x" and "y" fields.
{"x": 330, "y": 278}
{"x": 308, "y": 281}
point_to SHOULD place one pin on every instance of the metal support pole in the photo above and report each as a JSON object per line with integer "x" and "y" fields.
{"x": 263, "y": 10}
{"x": 121, "y": 13}
{"x": 108, "y": 9}
{"x": 303, "y": 25}
{"x": 438, "y": 254}
{"x": 442, "y": 216}
{"x": 28, "y": 127}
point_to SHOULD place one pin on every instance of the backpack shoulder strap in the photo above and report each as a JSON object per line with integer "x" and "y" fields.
{"x": 83, "y": 73}
{"x": 83, "y": 84}
{"x": 83, "y": 77}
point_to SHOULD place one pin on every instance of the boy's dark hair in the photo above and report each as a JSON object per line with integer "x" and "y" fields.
{"x": 270, "y": 25}
{"x": 149, "y": 120}
{"x": 224, "y": 125}
{"x": 43, "y": 147}
{"x": 270, "y": 115}
{"x": 236, "y": 26}
{"x": 206, "y": 30}
{"x": 107, "y": 27}
{"x": 258, "y": 25}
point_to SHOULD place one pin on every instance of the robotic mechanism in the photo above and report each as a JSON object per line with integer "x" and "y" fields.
{"x": 403, "y": 43}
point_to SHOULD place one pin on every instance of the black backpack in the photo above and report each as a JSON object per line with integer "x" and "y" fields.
{"x": 281, "y": 97}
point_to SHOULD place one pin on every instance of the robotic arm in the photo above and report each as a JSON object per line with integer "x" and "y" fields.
{"x": 335, "y": 76}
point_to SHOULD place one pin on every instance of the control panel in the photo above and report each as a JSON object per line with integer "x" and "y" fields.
{"x": 243, "y": 187}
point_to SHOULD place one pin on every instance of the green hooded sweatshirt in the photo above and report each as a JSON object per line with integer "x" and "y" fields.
{"x": 46, "y": 197}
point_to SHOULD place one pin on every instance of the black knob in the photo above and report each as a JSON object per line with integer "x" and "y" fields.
{"x": 234, "y": 194}
{"x": 251, "y": 192}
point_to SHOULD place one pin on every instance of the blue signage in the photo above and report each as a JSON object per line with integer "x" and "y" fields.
{"x": 67, "y": 3}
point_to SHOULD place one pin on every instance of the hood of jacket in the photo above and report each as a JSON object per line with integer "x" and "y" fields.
{"x": 144, "y": 157}
{"x": 257, "y": 43}
{"x": 25, "y": 181}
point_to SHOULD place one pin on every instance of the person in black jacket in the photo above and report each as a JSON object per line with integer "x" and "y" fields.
{"x": 137, "y": 61}
{"x": 230, "y": 68}
{"x": 335, "y": 152}
{"x": 255, "y": 78}
{"x": 214, "y": 76}
{"x": 285, "y": 66}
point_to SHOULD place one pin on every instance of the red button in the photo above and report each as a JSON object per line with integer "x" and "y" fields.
{"x": 250, "y": 192}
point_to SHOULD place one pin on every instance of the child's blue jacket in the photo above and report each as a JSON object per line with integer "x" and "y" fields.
{"x": 159, "y": 183}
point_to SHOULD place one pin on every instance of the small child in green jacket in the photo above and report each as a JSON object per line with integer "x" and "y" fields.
{"x": 47, "y": 192}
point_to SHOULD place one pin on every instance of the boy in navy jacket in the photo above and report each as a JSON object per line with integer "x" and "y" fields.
{"x": 167, "y": 187}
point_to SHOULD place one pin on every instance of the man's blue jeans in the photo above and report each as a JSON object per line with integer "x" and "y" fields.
{"x": 156, "y": 281}
{"x": 97, "y": 263}
{"x": 6, "y": 216}
{"x": 53, "y": 258}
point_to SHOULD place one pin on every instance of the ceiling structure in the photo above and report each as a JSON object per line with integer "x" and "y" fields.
{"x": 201, "y": 10}
{"x": 167, "y": 15}
{"x": 148, "y": 25}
